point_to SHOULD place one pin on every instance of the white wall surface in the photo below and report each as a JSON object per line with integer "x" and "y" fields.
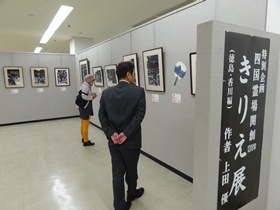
{"x": 273, "y": 16}
{"x": 248, "y": 13}
{"x": 273, "y": 203}
{"x": 30, "y": 105}
{"x": 168, "y": 128}
{"x": 77, "y": 44}
{"x": 274, "y": 181}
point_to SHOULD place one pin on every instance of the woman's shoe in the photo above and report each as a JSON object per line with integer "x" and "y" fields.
{"x": 88, "y": 143}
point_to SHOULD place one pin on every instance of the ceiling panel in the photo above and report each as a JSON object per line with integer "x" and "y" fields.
{"x": 23, "y": 23}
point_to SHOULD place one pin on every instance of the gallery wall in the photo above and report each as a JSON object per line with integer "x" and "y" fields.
{"x": 168, "y": 128}
{"x": 274, "y": 181}
{"x": 33, "y": 103}
{"x": 273, "y": 15}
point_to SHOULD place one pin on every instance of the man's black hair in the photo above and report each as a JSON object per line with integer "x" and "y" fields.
{"x": 123, "y": 68}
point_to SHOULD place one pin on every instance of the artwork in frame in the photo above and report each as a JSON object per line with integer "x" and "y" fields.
{"x": 62, "y": 76}
{"x": 39, "y": 76}
{"x": 13, "y": 76}
{"x": 84, "y": 68}
{"x": 193, "y": 72}
{"x": 153, "y": 69}
{"x": 111, "y": 75}
{"x": 134, "y": 60}
{"x": 98, "y": 76}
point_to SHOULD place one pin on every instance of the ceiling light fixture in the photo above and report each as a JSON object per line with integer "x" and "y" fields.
{"x": 60, "y": 16}
{"x": 37, "y": 49}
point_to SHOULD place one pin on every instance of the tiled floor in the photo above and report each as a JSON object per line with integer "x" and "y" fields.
{"x": 43, "y": 166}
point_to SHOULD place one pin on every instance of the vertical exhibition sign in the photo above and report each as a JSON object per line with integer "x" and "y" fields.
{"x": 243, "y": 107}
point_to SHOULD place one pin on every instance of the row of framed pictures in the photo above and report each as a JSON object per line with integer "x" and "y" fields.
{"x": 153, "y": 70}
{"x": 13, "y": 76}
{"x": 153, "y": 73}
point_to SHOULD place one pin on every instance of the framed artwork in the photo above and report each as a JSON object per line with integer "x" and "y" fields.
{"x": 111, "y": 75}
{"x": 39, "y": 76}
{"x": 133, "y": 59}
{"x": 98, "y": 76}
{"x": 193, "y": 72}
{"x": 84, "y": 68}
{"x": 13, "y": 76}
{"x": 153, "y": 69}
{"x": 62, "y": 76}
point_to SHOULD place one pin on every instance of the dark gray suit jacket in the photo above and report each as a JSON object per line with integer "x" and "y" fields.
{"x": 122, "y": 109}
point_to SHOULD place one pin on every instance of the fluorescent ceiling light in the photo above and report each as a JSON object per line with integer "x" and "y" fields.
{"x": 38, "y": 49}
{"x": 60, "y": 16}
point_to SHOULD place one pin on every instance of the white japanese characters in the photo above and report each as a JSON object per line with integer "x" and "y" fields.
{"x": 244, "y": 89}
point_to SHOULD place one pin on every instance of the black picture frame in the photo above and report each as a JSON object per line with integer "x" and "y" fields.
{"x": 192, "y": 57}
{"x": 133, "y": 59}
{"x": 111, "y": 75}
{"x": 98, "y": 75}
{"x": 84, "y": 68}
{"x": 62, "y": 77}
{"x": 153, "y": 70}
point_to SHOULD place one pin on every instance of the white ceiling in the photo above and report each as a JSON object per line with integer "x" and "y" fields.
{"x": 23, "y": 22}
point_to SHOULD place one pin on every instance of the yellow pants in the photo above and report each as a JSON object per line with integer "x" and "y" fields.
{"x": 84, "y": 128}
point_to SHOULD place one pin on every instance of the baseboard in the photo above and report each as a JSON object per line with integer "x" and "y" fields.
{"x": 96, "y": 125}
{"x": 179, "y": 173}
{"x": 34, "y": 121}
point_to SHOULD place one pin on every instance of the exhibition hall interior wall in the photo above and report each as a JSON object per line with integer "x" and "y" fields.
{"x": 273, "y": 26}
{"x": 37, "y": 103}
{"x": 168, "y": 128}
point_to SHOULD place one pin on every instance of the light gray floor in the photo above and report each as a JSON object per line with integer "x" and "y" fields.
{"x": 43, "y": 166}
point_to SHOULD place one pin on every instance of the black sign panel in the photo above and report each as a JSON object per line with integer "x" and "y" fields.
{"x": 243, "y": 106}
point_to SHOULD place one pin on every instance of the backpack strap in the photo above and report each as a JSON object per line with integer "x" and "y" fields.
{"x": 80, "y": 91}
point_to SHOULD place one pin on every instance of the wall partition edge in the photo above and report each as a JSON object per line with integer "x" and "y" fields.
{"x": 210, "y": 58}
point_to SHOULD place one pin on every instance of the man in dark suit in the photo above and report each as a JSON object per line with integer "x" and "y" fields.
{"x": 122, "y": 109}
